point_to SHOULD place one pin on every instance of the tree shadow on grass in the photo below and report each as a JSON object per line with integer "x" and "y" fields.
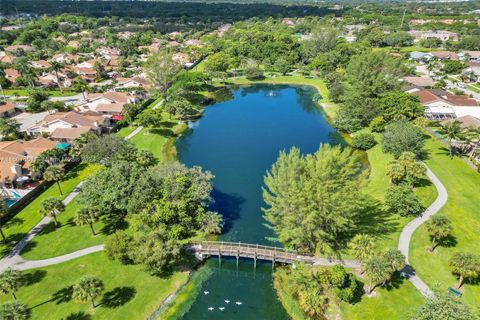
{"x": 395, "y": 282}
{"x": 63, "y": 295}
{"x": 448, "y": 242}
{"x": 113, "y": 223}
{"x": 74, "y": 172}
{"x": 29, "y": 247}
{"x": 422, "y": 182}
{"x": 78, "y": 316}
{"x": 162, "y": 132}
{"x": 117, "y": 297}
{"x": 33, "y": 277}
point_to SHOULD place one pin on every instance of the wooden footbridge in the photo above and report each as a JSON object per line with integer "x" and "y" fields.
{"x": 205, "y": 249}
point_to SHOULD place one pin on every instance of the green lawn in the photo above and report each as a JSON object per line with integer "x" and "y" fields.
{"x": 394, "y": 302}
{"x": 125, "y": 131}
{"x": 52, "y": 93}
{"x": 153, "y": 140}
{"x": 130, "y": 292}
{"x": 67, "y": 238}
{"x": 463, "y": 209}
{"x": 16, "y": 228}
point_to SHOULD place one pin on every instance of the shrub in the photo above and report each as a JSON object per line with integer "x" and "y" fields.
{"x": 377, "y": 124}
{"x": 364, "y": 141}
{"x": 401, "y": 200}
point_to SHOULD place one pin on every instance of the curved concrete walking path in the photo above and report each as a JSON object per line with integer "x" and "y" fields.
{"x": 14, "y": 260}
{"x": 407, "y": 233}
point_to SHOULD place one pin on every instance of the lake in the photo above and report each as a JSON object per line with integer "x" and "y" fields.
{"x": 238, "y": 141}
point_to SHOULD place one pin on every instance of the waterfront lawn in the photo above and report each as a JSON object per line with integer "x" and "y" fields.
{"x": 125, "y": 131}
{"x": 153, "y": 140}
{"x": 462, "y": 208}
{"x": 16, "y": 228}
{"x": 394, "y": 302}
{"x": 22, "y": 92}
{"x": 67, "y": 238}
{"x": 130, "y": 292}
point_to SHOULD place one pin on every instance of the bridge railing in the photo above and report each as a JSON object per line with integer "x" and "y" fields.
{"x": 225, "y": 244}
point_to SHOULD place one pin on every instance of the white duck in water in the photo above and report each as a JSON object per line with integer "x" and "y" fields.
{"x": 238, "y": 303}
{"x": 206, "y": 292}
{"x": 221, "y": 308}
{"x": 211, "y": 308}
{"x": 227, "y": 301}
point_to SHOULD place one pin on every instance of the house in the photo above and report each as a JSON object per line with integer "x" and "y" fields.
{"x": 16, "y": 156}
{"x": 23, "y": 47}
{"x": 50, "y": 80}
{"x": 108, "y": 103}
{"x": 473, "y": 56}
{"x": 419, "y": 35}
{"x": 67, "y": 126}
{"x": 86, "y": 74}
{"x": 7, "y": 59}
{"x": 129, "y": 83}
{"x": 445, "y": 55}
{"x": 181, "y": 58}
{"x": 40, "y": 64}
{"x": 441, "y": 105}
{"x": 12, "y": 75}
{"x": 7, "y": 109}
{"x": 420, "y": 82}
{"x": 65, "y": 58}
{"x": 467, "y": 122}
{"x": 420, "y": 56}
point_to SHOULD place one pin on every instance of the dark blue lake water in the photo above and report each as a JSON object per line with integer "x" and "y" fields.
{"x": 238, "y": 141}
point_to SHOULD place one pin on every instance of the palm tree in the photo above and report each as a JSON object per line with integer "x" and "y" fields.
{"x": 55, "y": 67}
{"x": 88, "y": 289}
{"x": 212, "y": 223}
{"x": 395, "y": 259}
{"x": 86, "y": 216}
{"x": 10, "y": 281}
{"x": 438, "y": 227}
{"x": 54, "y": 174}
{"x": 3, "y": 214}
{"x": 378, "y": 272}
{"x": 15, "y": 310}
{"x": 362, "y": 246}
{"x": 466, "y": 266}
{"x": 51, "y": 207}
{"x": 452, "y": 130}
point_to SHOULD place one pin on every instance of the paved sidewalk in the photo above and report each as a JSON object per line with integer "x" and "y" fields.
{"x": 134, "y": 133}
{"x": 409, "y": 229}
{"x": 13, "y": 257}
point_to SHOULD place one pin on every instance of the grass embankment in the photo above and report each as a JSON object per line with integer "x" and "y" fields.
{"x": 17, "y": 227}
{"x": 462, "y": 208}
{"x": 130, "y": 292}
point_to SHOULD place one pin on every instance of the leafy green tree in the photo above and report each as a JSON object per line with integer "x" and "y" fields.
{"x": 15, "y": 310}
{"x": 438, "y": 228}
{"x": 81, "y": 85}
{"x": 466, "y": 266}
{"x": 212, "y": 223}
{"x": 399, "y": 39}
{"x": 9, "y": 128}
{"x": 363, "y": 141}
{"x": 10, "y": 282}
{"x": 362, "y": 247}
{"x": 51, "y": 207}
{"x": 55, "y": 67}
{"x": 54, "y": 174}
{"x": 88, "y": 289}
{"x": 119, "y": 246}
{"x": 377, "y": 124}
{"x": 282, "y": 66}
{"x": 402, "y": 136}
{"x": 398, "y": 105}
{"x": 395, "y": 259}
{"x": 218, "y": 62}
{"x": 405, "y": 169}
{"x": 368, "y": 84}
{"x": 453, "y": 66}
{"x": 400, "y": 199}
{"x": 145, "y": 158}
{"x": 87, "y": 216}
{"x": 442, "y": 307}
{"x": 453, "y": 131}
{"x": 157, "y": 252}
{"x": 161, "y": 69}
{"x": 35, "y": 99}
{"x": 107, "y": 149}
{"x": 306, "y": 213}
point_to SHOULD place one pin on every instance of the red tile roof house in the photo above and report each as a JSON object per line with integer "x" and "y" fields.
{"x": 40, "y": 64}
{"x": 108, "y": 103}
{"x": 68, "y": 126}
{"x": 16, "y": 156}
{"x": 12, "y": 75}
{"x": 443, "y": 105}
{"x": 420, "y": 82}
{"x": 50, "y": 80}
{"x": 7, "y": 109}
{"x": 86, "y": 74}
{"x": 132, "y": 83}
{"x": 445, "y": 55}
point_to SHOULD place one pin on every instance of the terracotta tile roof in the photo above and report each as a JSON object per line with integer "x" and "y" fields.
{"x": 420, "y": 81}
{"x": 445, "y": 55}
{"x": 430, "y": 96}
{"x": 110, "y": 107}
{"x": 9, "y": 106}
{"x": 75, "y": 119}
{"x": 68, "y": 133}
{"x": 467, "y": 121}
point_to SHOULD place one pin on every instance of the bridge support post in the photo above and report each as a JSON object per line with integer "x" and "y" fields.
{"x": 219, "y": 257}
{"x": 255, "y": 259}
{"x": 273, "y": 261}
